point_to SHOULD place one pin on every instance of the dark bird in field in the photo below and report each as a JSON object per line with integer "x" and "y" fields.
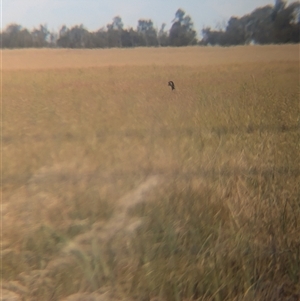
{"x": 171, "y": 84}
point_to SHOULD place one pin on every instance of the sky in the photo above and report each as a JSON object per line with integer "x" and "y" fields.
{"x": 94, "y": 14}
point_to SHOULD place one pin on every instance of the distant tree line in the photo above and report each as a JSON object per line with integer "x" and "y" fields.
{"x": 279, "y": 23}
{"x": 265, "y": 25}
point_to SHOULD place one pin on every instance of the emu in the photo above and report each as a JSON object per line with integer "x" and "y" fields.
{"x": 171, "y": 84}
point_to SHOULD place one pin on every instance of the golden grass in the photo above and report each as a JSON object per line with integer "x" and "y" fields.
{"x": 91, "y": 136}
{"x": 33, "y": 59}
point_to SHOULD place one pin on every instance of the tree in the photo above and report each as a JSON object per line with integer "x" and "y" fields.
{"x": 162, "y": 37}
{"x": 76, "y": 37}
{"x": 147, "y": 33}
{"x": 265, "y": 25}
{"x": 213, "y": 37}
{"x": 286, "y": 30}
{"x": 40, "y": 36}
{"x": 182, "y": 32}
{"x": 99, "y": 38}
{"x": 114, "y": 32}
{"x": 14, "y": 36}
{"x": 63, "y": 37}
{"x": 278, "y": 7}
{"x": 235, "y": 32}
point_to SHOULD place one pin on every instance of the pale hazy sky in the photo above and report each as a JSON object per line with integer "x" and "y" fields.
{"x": 94, "y": 14}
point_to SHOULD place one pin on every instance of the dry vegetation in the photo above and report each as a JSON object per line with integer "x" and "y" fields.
{"x": 116, "y": 188}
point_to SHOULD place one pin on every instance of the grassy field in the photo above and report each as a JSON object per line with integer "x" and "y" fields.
{"x": 114, "y": 187}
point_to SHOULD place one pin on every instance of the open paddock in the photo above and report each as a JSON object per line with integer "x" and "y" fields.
{"x": 114, "y": 187}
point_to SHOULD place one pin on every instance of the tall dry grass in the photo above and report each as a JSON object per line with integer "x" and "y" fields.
{"x": 33, "y": 59}
{"x": 116, "y": 187}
